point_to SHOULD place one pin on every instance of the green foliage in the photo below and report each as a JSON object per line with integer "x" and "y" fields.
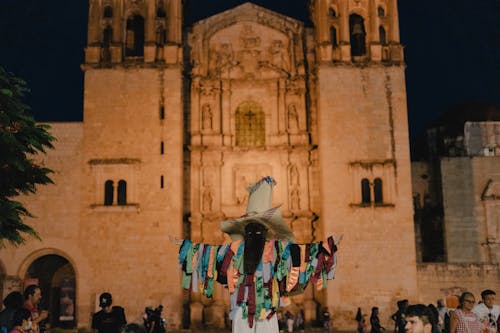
{"x": 21, "y": 139}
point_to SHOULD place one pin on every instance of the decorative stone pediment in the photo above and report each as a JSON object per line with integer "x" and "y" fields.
{"x": 246, "y": 42}
{"x": 492, "y": 190}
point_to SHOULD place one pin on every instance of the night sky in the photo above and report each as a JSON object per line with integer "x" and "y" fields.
{"x": 452, "y": 50}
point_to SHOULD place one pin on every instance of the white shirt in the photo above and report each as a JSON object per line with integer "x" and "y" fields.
{"x": 488, "y": 316}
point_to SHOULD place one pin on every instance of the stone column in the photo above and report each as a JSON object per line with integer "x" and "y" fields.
{"x": 323, "y": 26}
{"x": 226, "y": 112}
{"x": 394, "y": 34}
{"x": 281, "y": 121}
{"x": 94, "y": 26}
{"x": 373, "y": 36}
{"x": 149, "y": 33}
{"x": 174, "y": 18}
{"x": 117, "y": 19}
{"x": 344, "y": 22}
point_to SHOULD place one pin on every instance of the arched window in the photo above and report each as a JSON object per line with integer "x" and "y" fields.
{"x": 382, "y": 35}
{"x": 160, "y": 11}
{"x": 107, "y": 12}
{"x": 333, "y": 35}
{"x": 108, "y": 193}
{"x": 377, "y": 191}
{"x": 161, "y": 36}
{"x": 381, "y": 12}
{"x": 122, "y": 192}
{"x": 250, "y": 125}
{"x": 331, "y": 12}
{"x": 365, "y": 191}
{"x": 135, "y": 37}
{"x": 358, "y": 35}
{"x": 107, "y": 36}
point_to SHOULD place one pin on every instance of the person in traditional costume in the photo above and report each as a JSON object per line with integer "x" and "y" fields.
{"x": 262, "y": 265}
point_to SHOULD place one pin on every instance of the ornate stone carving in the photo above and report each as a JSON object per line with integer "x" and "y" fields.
{"x": 296, "y": 87}
{"x": 221, "y": 58}
{"x": 294, "y": 176}
{"x": 249, "y": 55}
{"x": 295, "y": 200}
{"x": 293, "y": 119}
{"x": 245, "y": 175}
{"x": 206, "y": 116}
{"x": 279, "y": 56}
{"x": 207, "y": 199}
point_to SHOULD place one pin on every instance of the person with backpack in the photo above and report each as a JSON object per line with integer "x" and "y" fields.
{"x": 109, "y": 319}
{"x": 12, "y": 302}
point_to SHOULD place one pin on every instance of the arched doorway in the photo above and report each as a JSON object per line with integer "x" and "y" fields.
{"x": 56, "y": 277}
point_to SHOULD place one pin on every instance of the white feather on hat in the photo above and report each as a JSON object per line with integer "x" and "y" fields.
{"x": 259, "y": 210}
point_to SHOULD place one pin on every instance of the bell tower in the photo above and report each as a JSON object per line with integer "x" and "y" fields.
{"x": 123, "y": 30}
{"x": 132, "y": 174}
{"x": 364, "y": 150}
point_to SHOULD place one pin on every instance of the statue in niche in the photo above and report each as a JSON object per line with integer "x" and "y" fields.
{"x": 240, "y": 189}
{"x": 207, "y": 200}
{"x": 206, "y": 117}
{"x": 279, "y": 55}
{"x": 294, "y": 176}
{"x": 295, "y": 200}
{"x": 293, "y": 118}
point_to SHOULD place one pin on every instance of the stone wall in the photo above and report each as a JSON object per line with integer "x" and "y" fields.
{"x": 436, "y": 281}
{"x": 366, "y": 139}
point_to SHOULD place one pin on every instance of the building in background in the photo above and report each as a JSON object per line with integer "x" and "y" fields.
{"x": 456, "y": 188}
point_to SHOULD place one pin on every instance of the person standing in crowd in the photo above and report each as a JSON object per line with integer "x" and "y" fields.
{"x": 375, "y": 322}
{"x": 22, "y": 321}
{"x": 434, "y": 319}
{"x": 442, "y": 311}
{"x": 325, "y": 316}
{"x": 12, "y": 302}
{"x": 487, "y": 311}
{"x": 463, "y": 320}
{"x": 109, "y": 319}
{"x": 289, "y": 321}
{"x": 32, "y": 298}
{"x": 299, "y": 320}
{"x": 399, "y": 316}
{"x": 360, "y": 318}
{"x": 418, "y": 319}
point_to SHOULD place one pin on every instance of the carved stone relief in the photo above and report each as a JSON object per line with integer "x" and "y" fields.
{"x": 246, "y": 51}
{"x": 293, "y": 119}
{"x": 294, "y": 176}
{"x": 244, "y": 176}
{"x": 206, "y": 116}
{"x": 279, "y": 55}
{"x": 295, "y": 200}
{"x": 208, "y": 199}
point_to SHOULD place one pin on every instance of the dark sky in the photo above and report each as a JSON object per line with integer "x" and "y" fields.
{"x": 452, "y": 50}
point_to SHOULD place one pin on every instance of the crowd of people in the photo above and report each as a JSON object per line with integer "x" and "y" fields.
{"x": 21, "y": 314}
{"x": 464, "y": 315}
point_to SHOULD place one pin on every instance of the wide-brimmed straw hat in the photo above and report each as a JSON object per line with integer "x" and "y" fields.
{"x": 259, "y": 210}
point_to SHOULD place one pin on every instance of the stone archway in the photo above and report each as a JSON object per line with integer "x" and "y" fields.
{"x": 57, "y": 278}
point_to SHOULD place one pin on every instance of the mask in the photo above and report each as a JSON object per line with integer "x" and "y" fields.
{"x": 28, "y": 326}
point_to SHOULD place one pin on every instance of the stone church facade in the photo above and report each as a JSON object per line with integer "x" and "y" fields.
{"x": 177, "y": 124}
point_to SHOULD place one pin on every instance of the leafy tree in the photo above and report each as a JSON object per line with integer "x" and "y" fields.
{"x": 21, "y": 139}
